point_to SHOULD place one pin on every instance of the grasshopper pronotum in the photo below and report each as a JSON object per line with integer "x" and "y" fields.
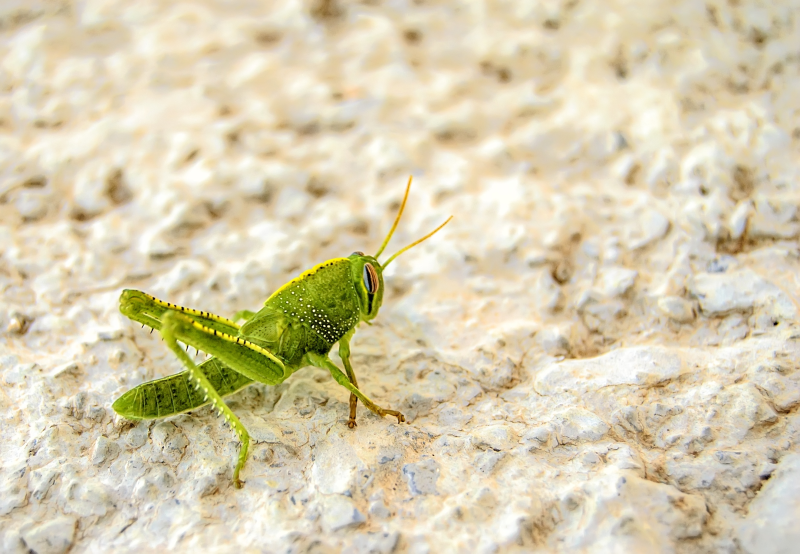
{"x": 297, "y": 327}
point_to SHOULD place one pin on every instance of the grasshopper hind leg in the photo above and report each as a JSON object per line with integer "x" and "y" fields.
{"x": 169, "y": 327}
{"x": 214, "y": 335}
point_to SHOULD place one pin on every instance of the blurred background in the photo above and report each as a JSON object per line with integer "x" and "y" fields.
{"x": 623, "y": 176}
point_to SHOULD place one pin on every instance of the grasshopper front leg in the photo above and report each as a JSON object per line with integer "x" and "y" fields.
{"x": 323, "y": 361}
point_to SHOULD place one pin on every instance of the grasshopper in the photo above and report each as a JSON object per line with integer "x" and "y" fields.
{"x": 297, "y": 327}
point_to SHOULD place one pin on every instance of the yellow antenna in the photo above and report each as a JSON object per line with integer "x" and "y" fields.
{"x": 413, "y": 244}
{"x": 397, "y": 219}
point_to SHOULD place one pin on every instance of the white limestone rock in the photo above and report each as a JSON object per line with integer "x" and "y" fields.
{"x": 32, "y": 205}
{"x": 625, "y": 366}
{"x": 104, "y": 450}
{"x": 376, "y": 542}
{"x": 496, "y": 437}
{"x": 171, "y": 442}
{"x": 14, "y": 490}
{"x": 744, "y": 407}
{"x": 771, "y": 523}
{"x": 722, "y": 293}
{"x": 622, "y": 511}
{"x": 43, "y": 478}
{"x": 578, "y": 425}
{"x": 422, "y": 477}
{"x": 335, "y": 466}
{"x": 339, "y": 512}
{"x": 676, "y": 308}
{"x": 598, "y": 353}
{"x": 615, "y": 281}
{"x": 557, "y": 340}
{"x": 783, "y": 391}
{"x": 51, "y": 537}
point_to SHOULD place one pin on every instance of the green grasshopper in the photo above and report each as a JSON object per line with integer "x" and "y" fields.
{"x": 297, "y": 327}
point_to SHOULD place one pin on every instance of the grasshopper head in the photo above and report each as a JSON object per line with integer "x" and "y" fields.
{"x": 368, "y": 278}
{"x": 368, "y": 271}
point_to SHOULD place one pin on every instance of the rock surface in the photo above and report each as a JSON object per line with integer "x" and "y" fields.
{"x": 598, "y": 354}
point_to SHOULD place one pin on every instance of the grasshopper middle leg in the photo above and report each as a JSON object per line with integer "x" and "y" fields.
{"x": 325, "y": 362}
{"x": 344, "y": 354}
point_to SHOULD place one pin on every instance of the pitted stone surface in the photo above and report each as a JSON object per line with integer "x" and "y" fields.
{"x": 598, "y": 354}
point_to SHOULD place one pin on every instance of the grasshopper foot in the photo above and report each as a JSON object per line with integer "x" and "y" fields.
{"x": 353, "y": 403}
{"x": 400, "y": 417}
{"x": 237, "y": 483}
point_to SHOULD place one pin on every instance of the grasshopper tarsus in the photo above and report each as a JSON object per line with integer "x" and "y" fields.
{"x": 400, "y": 417}
{"x": 297, "y": 327}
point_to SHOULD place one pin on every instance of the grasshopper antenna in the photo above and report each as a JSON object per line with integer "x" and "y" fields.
{"x": 394, "y": 226}
{"x": 397, "y": 219}
{"x": 416, "y": 242}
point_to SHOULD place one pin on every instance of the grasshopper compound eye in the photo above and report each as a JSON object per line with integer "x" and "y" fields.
{"x": 358, "y": 253}
{"x": 370, "y": 278}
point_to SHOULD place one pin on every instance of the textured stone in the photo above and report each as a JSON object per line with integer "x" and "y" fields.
{"x": 421, "y": 477}
{"x": 335, "y": 466}
{"x": 51, "y": 537}
{"x": 676, "y": 308}
{"x": 13, "y": 491}
{"x": 597, "y": 354}
{"x": 625, "y": 366}
{"x": 339, "y": 512}
{"x": 722, "y": 293}
{"x": 376, "y": 543}
{"x": 496, "y": 437}
{"x": 771, "y": 523}
{"x": 169, "y": 440}
{"x": 42, "y": 479}
{"x": 103, "y": 450}
{"x": 643, "y": 515}
{"x": 577, "y": 425}
{"x": 653, "y": 226}
{"x": 616, "y": 281}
